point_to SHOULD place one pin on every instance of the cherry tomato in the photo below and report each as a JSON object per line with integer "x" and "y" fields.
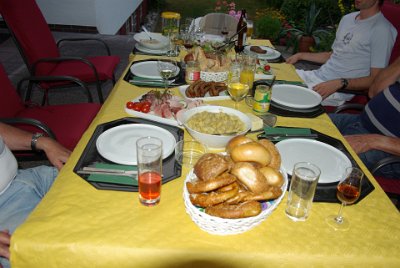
{"x": 129, "y": 105}
{"x": 145, "y": 109}
{"x": 137, "y": 106}
{"x": 146, "y": 104}
{"x": 267, "y": 68}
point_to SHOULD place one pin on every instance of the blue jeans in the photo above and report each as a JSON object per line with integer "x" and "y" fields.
{"x": 22, "y": 196}
{"x": 350, "y": 124}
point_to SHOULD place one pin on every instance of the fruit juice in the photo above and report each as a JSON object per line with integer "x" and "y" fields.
{"x": 247, "y": 77}
{"x": 238, "y": 90}
{"x": 149, "y": 187}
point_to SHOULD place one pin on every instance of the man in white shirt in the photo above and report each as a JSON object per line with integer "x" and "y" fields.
{"x": 22, "y": 190}
{"x": 363, "y": 44}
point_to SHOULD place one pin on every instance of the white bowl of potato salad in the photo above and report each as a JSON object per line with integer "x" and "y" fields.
{"x": 214, "y": 126}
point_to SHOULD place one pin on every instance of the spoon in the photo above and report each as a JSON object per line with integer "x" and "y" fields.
{"x": 147, "y": 32}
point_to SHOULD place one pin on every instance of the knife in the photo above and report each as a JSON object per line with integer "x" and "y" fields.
{"x": 280, "y": 136}
{"x": 106, "y": 171}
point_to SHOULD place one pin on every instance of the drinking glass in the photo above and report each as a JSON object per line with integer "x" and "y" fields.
{"x": 249, "y": 63}
{"x": 174, "y": 39}
{"x": 249, "y": 33}
{"x": 237, "y": 88}
{"x": 167, "y": 69}
{"x": 149, "y": 162}
{"x": 348, "y": 192}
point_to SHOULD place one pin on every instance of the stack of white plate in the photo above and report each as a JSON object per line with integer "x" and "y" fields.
{"x": 158, "y": 46}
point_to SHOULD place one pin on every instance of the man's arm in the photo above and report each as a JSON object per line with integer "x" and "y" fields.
{"x": 320, "y": 57}
{"x": 365, "y": 142}
{"x": 360, "y": 84}
{"x": 17, "y": 139}
{"x": 385, "y": 78}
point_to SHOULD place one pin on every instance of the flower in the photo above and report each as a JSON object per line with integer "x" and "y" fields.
{"x": 229, "y": 8}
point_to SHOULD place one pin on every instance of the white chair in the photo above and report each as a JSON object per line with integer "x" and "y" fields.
{"x": 213, "y": 23}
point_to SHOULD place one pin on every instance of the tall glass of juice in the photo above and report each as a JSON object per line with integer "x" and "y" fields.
{"x": 149, "y": 162}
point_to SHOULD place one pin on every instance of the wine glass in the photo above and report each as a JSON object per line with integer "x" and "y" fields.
{"x": 167, "y": 69}
{"x": 348, "y": 192}
{"x": 237, "y": 88}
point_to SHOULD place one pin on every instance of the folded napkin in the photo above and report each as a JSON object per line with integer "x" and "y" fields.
{"x": 282, "y": 133}
{"x": 124, "y": 180}
{"x": 141, "y": 81}
{"x": 296, "y": 83}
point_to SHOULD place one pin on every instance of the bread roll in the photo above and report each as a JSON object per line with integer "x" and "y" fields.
{"x": 250, "y": 177}
{"x": 273, "y": 176}
{"x": 275, "y": 156}
{"x": 236, "y": 141}
{"x": 251, "y": 152}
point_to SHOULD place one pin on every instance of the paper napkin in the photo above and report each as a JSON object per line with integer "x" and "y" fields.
{"x": 124, "y": 180}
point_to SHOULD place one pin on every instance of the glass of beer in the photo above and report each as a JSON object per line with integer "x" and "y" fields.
{"x": 249, "y": 33}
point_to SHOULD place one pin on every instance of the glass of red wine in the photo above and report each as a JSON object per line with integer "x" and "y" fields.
{"x": 348, "y": 192}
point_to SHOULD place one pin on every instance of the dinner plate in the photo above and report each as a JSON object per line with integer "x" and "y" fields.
{"x": 143, "y": 39}
{"x": 146, "y": 50}
{"x": 295, "y": 96}
{"x": 223, "y": 95}
{"x": 118, "y": 144}
{"x": 148, "y": 69}
{"x": 331, "y": 161}
{"x": 271, "y": 54}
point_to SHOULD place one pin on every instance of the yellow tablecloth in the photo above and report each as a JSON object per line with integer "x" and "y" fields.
{"x": 78, "y": 226}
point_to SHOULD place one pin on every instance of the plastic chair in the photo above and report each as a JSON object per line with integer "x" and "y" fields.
{"x": 213, "y": 23}
{"x": 42, "y": 55}
{"x": 65, "y": 123}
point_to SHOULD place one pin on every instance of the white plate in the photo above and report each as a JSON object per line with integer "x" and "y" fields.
{"x": 142, "y": 38}
{"x": 118, "y": 144}
{"x": 148, "y": 69}
{"x": 330, "y": 160}
{"x": 271, "y": 54}
{"x": 151, "y": 51}
{"x": 295, "y": 96}
{"x": 223, "y": 95}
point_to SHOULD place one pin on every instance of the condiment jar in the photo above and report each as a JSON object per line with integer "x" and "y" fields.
{"x": 192, "y": 72}
{"x": 262, "y": 99}
{"x": 170, "y": 22}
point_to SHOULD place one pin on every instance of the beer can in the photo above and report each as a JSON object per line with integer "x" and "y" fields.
{"x": 262, "y": 99}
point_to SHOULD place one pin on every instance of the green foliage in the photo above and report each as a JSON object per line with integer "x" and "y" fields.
{"x": 274, "y": 3}
{"x": 294, "y": 11}
{"x": 268, "y": 27}
{"x": 325, "y": 41}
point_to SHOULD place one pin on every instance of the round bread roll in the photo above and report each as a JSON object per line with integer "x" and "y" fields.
{"x": 236, "y": 141}
{"x": 273, "y": 176}
{"x": 251, "y": 152}
{"x": 250, "y": 177}
{"x": 210, "y": 166}
{"x": 275, "y": 156}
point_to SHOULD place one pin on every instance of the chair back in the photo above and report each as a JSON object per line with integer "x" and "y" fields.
{"x": 213, "y": 23}
{"x": 30, "y": 32}
{"x": 10, "y": 102}
{"x": 391, "y": 12}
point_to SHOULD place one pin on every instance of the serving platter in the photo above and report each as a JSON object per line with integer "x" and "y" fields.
{"x": 90, "y": 155}
{"x": 223, "y": 95}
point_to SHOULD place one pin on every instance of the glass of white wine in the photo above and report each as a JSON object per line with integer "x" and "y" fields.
{"x": 237, "y": 88}
{"x": 167, "y": 69}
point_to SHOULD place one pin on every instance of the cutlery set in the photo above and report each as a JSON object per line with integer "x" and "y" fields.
{"x": 107, "y": 171}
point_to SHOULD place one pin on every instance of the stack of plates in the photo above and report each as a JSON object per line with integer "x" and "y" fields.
{"x": 159, "y": 46}
{"x": 295, "y": 99}
{"x": 149, "y": 70}
{"x": 161, "y": 51}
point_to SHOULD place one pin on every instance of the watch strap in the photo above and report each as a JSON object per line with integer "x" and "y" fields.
{"x": 345, "y": 83}
{"x": 34, "y": 140}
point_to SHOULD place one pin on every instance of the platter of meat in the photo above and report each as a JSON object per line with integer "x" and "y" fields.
{"x": 206, "y": 91}
{"x": 163, "y": 107}
{"x": 263, "y": 52}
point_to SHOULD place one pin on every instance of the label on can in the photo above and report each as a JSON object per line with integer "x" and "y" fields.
{"x": 262, "y": 99}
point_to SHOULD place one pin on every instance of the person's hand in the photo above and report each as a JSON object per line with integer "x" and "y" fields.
{"x": 360, "y": 143}
{"x": 55, "y": 152}
{"x": 5, "y": 238}
{"x": 327, "y": 88}
{"x": 294, "y": 58}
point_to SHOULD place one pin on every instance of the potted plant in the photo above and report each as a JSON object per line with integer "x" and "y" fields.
{"x": 304, "y": 36}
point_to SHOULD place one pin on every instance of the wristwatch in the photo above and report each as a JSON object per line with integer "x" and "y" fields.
{"x": 34, "y": 140}
{"x": 345, "y": 83}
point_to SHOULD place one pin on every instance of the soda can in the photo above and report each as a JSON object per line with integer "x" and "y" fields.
{"x": 262, "y": 99}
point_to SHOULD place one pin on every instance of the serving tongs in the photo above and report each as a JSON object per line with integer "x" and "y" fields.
{"x": 229, "y": 42}
{"x": 108, "y": 171}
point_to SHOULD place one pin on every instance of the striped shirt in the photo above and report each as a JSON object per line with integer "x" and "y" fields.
{"x": 382, "y": 114}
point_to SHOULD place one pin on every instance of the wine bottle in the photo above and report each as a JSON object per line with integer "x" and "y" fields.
{"x": 241, "y": 30}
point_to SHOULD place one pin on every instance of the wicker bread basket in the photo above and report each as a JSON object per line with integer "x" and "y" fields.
{"x": 220, "y": 226}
